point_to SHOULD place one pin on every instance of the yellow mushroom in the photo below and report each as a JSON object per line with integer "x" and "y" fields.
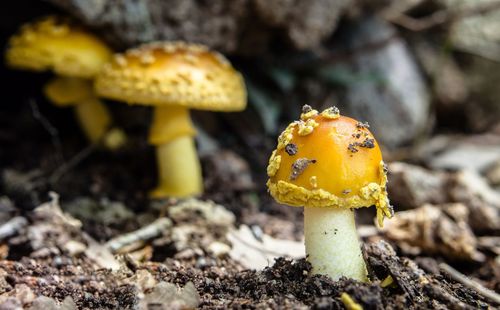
{"x": 174, "y": 77}
{"x": 334, "y": 168}
{"x": 75, "y": 56}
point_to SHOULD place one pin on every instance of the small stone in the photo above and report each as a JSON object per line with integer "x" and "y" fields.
{"x": 68, "y": 304}
{"x": 368, "y": 143}
{"x": 291, "y": 149}
{"x": 308, "y": 112}
{"x": 493, "y": 174}
{"x": 306, "y": 108}
{"x": 218, "y": 249}
{"x": 24, "y": 294}
{"x": 361, "y": 125}
{"x": 168, "y": 296}
{"x": 10, "y": 303}
{"x": 43, "y": 302}
{"x": 74, "y": 247}
{"x": 144, "y": 280}
{"x": 352, "y": 147}
{"x": 4, "y": 285}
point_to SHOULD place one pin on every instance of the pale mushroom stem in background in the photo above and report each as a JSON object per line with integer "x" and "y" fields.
{"x": 92, "y": 115}
{"x": 179, "y": 171}
{"x": 332, "y": 243}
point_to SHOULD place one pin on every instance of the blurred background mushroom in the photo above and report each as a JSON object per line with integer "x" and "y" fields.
{"x": 174, "y": 77}
{"x": 76, "y": 56}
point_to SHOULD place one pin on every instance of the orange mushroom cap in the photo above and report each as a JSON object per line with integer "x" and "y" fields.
{"x": 328, "y": 160}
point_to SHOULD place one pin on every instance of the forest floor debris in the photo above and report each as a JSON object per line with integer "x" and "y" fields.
{"x": 184, "y": 270}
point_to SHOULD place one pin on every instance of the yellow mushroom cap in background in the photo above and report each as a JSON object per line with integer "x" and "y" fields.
{"x": 173, "y": 73}
{"x": 328, "y": 160}
{"x": 54, "y": 44}
{"x": 64, "y": 91}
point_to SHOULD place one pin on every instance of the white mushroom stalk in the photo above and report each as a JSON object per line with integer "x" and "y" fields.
{"x": 332, "y": 243}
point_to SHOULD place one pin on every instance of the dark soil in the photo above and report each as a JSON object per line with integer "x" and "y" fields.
{"x": 223, "y": 284}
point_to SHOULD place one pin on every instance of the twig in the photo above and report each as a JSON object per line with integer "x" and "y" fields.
{"x": 53, "y": 132}
{"x": 145, "y": 233}
{"x": 438, "y": 17}
{"x": 65, "y": 167}
{"x": 12, "y": 227}
{"x": 459, "y": 277}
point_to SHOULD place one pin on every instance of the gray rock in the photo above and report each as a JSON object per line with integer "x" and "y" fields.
{"x": 168, "y": 296}
{"x": 482, "y": 110}
{"x": 386, "y": 88}
{"x": 68, "y": 304}
{"x": 11, "y": 303}
{"x": 412, "y": 186}
{"x": 47, "y": 303}
{"x": 457, "y": 152}
{"x": 244, "y": 26}
{"x": 4, "y": 285}
{"x": 467, "y": 156}
{"x": 43, "y": 302}
{"x": 12, "y": 227}
{"x": 477, "y": 34}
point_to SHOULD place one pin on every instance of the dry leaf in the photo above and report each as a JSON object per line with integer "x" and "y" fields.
{"x": 255, "y": 254}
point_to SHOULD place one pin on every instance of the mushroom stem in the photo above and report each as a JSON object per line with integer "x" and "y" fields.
{"x": 93, "y": 117}
{"x": 179, "y": 170}
{"x": 332, "y": 243}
